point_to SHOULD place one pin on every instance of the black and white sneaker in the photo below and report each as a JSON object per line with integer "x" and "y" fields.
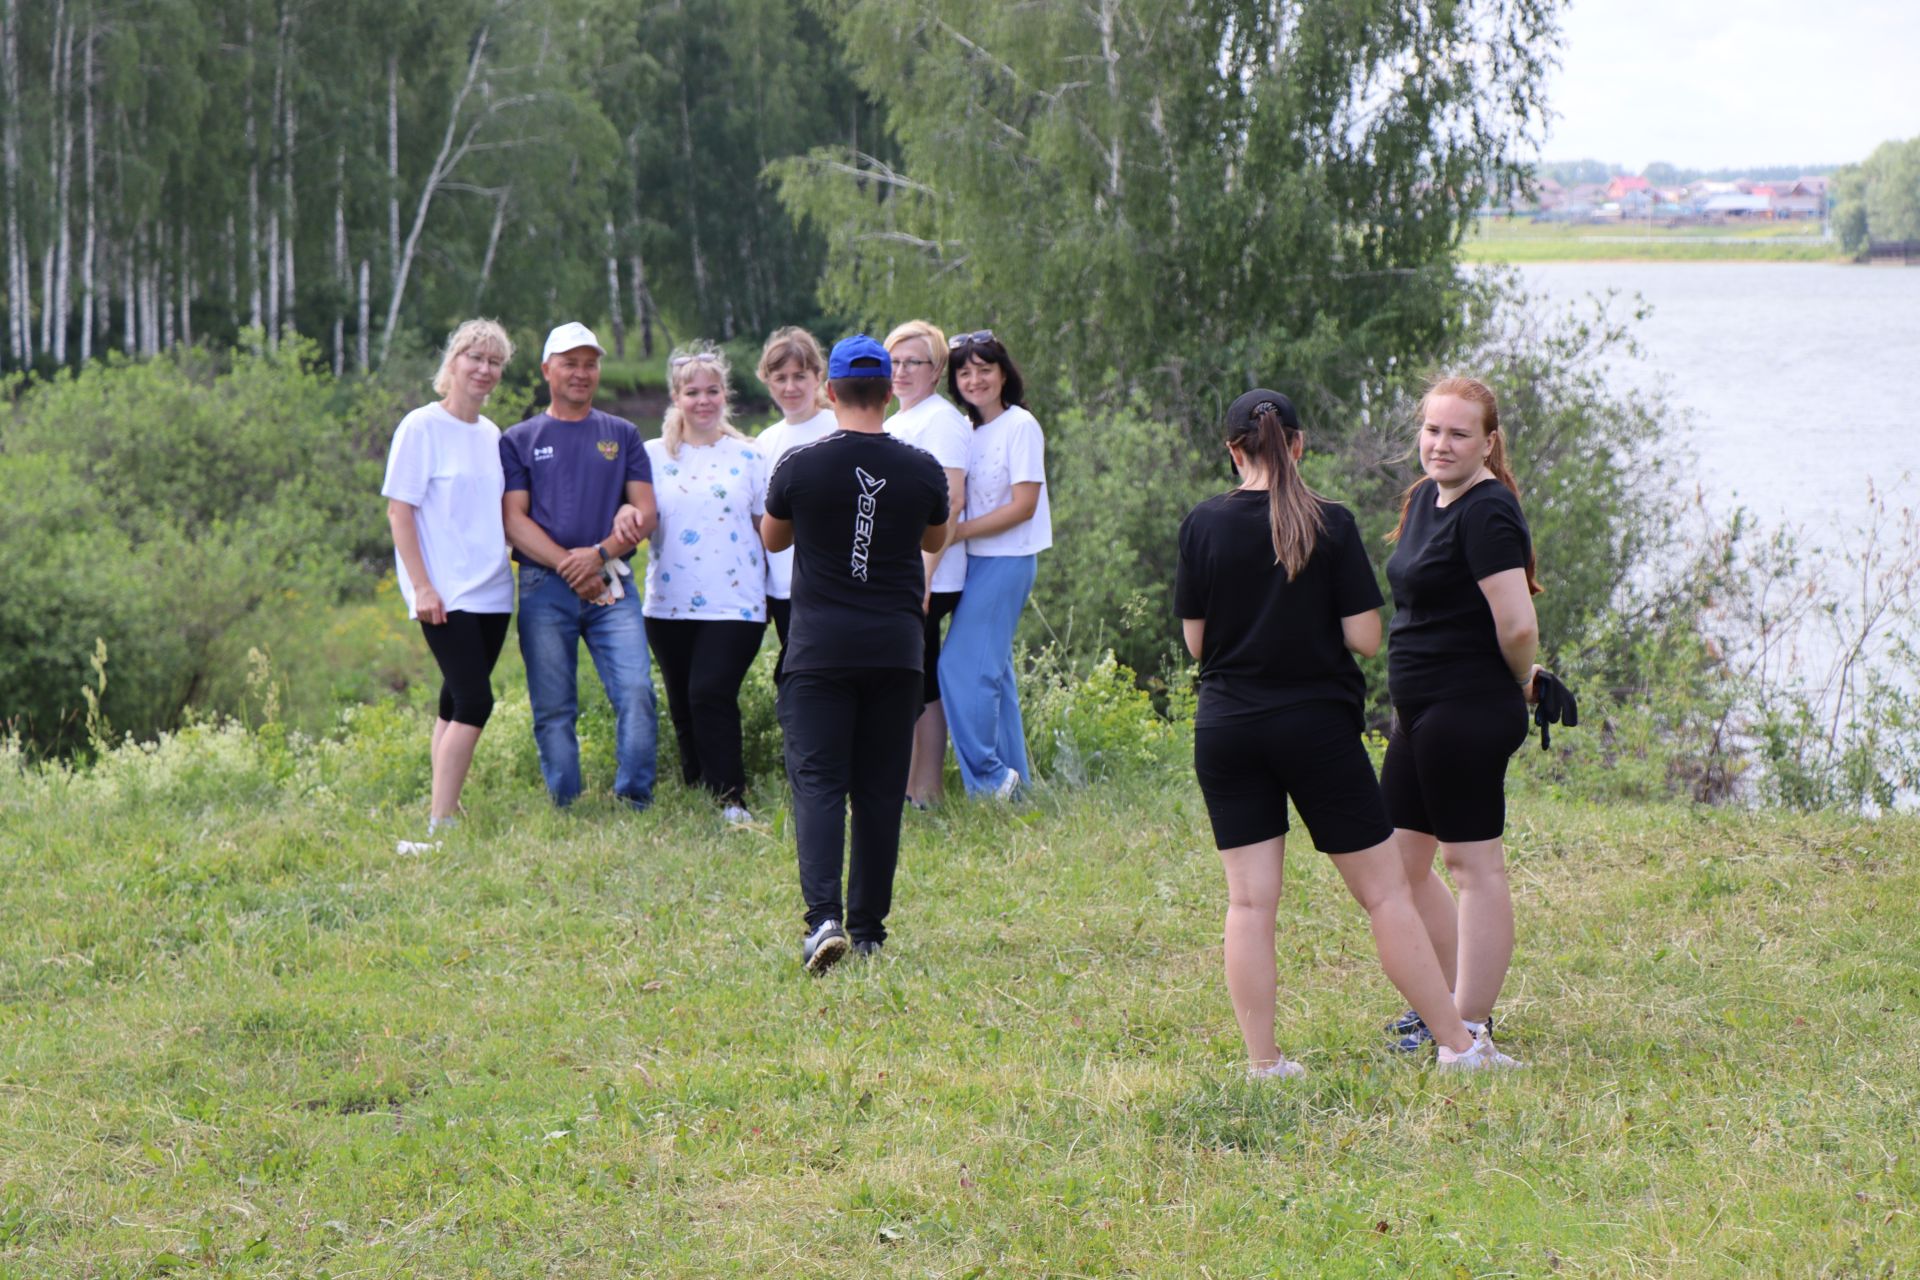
{"x": 1415, "y": 1036}
{"x": 1406, "y": 1024}
{"x": 824, "y": 947}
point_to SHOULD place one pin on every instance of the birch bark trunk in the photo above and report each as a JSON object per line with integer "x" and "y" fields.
{"x": 613, "y": 296}
{"x": 90, "y": 243}
{"x": 289, "y": 122}
{"x": 360, "y": 336}
{"x": 60, "y": 303}
{"x": 19, "y": 305}
{"x": 340, "y": 260}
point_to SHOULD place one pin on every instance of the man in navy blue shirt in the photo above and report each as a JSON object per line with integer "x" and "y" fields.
{"x": 858, "y": 507}
{"x": 579, "y": 499}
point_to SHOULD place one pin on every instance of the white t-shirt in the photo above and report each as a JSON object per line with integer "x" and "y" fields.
{"x": 706, "y": 561}
{"x": 449, "y": 472}
{"x": 1009, "y": 450}
{"x": 943, "y": 431}
{"x": 773, "y": 444}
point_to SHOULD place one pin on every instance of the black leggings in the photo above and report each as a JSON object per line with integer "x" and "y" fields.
{"x": 703, "y": 663}
{"x": 940, "y": 605}
{"x": 1445, "y": 773}
{"x": 466, "y": 646}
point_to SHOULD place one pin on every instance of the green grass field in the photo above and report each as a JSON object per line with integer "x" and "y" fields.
{"x": 1518, "y": 240}
{"x": 240, "y": 1036}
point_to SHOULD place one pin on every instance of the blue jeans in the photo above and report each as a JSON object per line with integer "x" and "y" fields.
{"x": 977, "y": 684}
{"x": 553, "y": 622}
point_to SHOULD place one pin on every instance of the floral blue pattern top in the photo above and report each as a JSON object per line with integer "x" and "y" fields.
{"x": 706, "y": 561}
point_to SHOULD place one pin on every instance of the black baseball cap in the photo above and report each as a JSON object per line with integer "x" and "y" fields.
{"x": 1241, "y": 412}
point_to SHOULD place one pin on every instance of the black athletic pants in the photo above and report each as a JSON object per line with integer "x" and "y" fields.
{"x": 702, "y": 663}
{"x": 466, "y": 646}
{"x": 781, "y": 611}
{"x": 849, "y": 736}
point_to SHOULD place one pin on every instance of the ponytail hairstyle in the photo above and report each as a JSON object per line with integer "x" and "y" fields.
{"x": 1263, "y": 426}
{"x": 683, "y": 364}
{"x": 1479, "y": 393}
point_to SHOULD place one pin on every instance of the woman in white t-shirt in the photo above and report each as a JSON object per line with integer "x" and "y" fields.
{"x": 928, "y": 419}
{"x": 706, "y": 605}
{"x": 794, "y": 369}
{"x": 443, "y": 489}
{"x": 1007, "y": 524}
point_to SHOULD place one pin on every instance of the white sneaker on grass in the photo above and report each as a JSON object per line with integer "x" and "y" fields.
{"x": 1481, "y": 1056}
{"x": 736, "y": 816}
{"x": 1008, "y": 785}
{"x": 409, "y": 848}
{"x": 1280, "y": 1070}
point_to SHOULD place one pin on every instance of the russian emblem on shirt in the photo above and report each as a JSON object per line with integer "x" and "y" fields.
{"x": 610, "y": 449}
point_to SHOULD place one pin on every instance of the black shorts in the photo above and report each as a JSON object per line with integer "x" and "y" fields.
{"x": 939, "y": 605}
{"x": 1312, "y": 752}
{"x": 1446, "y": 768}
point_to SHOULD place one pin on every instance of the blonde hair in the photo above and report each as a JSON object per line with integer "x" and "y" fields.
{"x": 794, "y": 345}
{"x": 474, "y": 333}
{"x": 681, "y": 365}
{"x": 935, "y": 339}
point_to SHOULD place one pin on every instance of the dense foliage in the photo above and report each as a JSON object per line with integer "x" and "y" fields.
{"x": 1879, "y": 198}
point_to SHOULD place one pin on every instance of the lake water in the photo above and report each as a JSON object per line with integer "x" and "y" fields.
{"x": 1802, "y": 379}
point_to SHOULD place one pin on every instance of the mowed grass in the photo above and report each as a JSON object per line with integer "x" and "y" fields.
{"x": 1520, "y": 240}
{"x": 244, "y": 1037}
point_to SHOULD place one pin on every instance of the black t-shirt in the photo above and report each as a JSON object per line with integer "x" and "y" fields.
{"x": 1442, "y": 642}
{"x": 1270, "y": 644}
{"x": 859, "y": 503}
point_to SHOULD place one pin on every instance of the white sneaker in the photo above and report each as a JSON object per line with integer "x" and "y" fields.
{"x": 1281, "y": 1070}
{"x": 411, "y": 847}
{"x": 735, "y": 816}
{"x": 1008, "y": 785}
{"x": 1481, "y": 1057}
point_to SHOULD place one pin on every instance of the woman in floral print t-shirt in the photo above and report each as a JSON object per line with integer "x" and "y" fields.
{"x": 706, "y": 605}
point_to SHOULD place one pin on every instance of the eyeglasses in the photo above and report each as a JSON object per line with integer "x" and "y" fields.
{"x": 958, "y": 341}
{"x": 698, "y": 357}
{"x": 913, "y": 363}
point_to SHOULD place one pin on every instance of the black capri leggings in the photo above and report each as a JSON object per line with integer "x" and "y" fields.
{"x": 466, "y": 646}
{"x": 1446, "y": 768}
{"x": 702, "y": 663}
{"x": 940, "y": 605}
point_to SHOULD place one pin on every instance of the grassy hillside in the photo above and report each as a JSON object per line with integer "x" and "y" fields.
{"x": 240, "y": 1036}
{"x": 1521, "y": 240}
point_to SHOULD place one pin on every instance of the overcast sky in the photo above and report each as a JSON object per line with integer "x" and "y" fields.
{"x": 1717, "y": 83}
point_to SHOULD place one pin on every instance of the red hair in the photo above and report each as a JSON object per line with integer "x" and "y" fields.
{"x": 1476, "y": 392}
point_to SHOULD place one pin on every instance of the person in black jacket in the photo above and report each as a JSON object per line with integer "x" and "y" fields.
{"x": 1460, "y": 671}
{"x": 1275, "y": 594}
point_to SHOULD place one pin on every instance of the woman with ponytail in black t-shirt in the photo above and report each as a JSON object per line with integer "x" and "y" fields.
{"x": 1460, "y": 672}
{"x": 1274, "y": 590}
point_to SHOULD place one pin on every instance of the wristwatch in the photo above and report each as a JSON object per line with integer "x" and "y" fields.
{"x": 603, "y": 552}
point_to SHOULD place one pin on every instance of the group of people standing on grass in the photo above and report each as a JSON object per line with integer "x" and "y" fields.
{"x": 573, "y": 491}
{"x": 858, "y": 534}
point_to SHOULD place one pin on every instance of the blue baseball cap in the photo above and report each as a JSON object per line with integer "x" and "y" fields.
{"x": 859, "y": 357}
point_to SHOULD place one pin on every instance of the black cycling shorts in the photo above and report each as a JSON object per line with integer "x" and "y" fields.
{"x": 1446, "y": 768}
{"x": 1248, "y": 769}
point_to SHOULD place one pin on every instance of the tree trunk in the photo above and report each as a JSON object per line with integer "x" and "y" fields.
{"x": 89, "y": 245}
{"x": 340, "y": 260}
{"x": 186, "y": 285}
{"x": 49, "y": 259}
{"x": 639, "y": 293}
{"x": 60, "y": 302}
{"x": 252, "y": 135}
{"x": 613, "y": 297}
{"x": 393, "y": 161}
{"x": 444, "y": 163}
{"x": 19, "y": 305}
{"x": 500, "y": 202}
{"x": 288, "y": 323}
{"x": 360, "y": 337}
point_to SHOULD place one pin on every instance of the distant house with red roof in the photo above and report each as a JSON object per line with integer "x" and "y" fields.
{"x": 1627, "y": 185}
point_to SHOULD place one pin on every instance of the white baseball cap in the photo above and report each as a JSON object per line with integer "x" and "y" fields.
{"x": 568, "y": 337}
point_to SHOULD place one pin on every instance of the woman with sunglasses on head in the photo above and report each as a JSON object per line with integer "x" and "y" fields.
{"x": 1275, "y": 595}
{"x": 1006, "y": 524}
{"x": 929, "y": 420}
{"x": 706, "y": 605}
{"x": 1460, "y": 671}
{"x": 794, "y": 369}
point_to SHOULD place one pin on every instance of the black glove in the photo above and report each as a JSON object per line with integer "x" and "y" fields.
{"x": 1554, "y": 703}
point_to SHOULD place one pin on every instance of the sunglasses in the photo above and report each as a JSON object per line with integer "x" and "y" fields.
{"x": 698, "y": 357}
{"x": 961, "y": 340}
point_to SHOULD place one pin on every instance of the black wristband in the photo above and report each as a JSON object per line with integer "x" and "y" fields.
{"x": 603, "y": 553}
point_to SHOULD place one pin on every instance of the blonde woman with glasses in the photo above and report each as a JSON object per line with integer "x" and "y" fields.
{"x": 706, "y": 605}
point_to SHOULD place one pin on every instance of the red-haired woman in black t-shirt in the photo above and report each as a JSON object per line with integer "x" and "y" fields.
{"x": 1274, "y": 590}
{"x": 1460, "y": 671}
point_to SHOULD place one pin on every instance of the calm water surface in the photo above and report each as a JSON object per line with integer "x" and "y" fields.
{"x": 1802, "y": 379}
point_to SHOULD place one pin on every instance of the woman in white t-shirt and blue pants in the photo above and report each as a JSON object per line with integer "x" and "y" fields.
{"x": 706, "y": 605}
{"x": 929, "y": 420}
{"x": 443, "y": 488}
{"x": 1007, "y": 525}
